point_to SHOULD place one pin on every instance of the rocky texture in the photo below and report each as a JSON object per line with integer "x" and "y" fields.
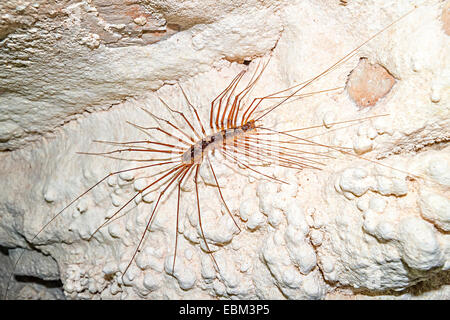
{"x": 446, "y": 18}
{"x": 64, "y": 58}
{"x": 372, "y": 223}
{"x": 369, "y": 83}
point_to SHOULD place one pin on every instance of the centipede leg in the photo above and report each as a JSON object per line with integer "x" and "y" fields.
{"x": 200, "y": 217}
{"x": 178, "y": 216}
{"x": 195, "y": 110}
{"x": 220, "y": 193}
{"x": 184, "y": 118}
{"x": 173, "y": 178}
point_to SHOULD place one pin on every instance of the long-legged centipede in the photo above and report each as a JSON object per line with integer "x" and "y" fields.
{"x": 236, "y": 131}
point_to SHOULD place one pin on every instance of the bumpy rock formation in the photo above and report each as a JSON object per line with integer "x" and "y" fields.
{"x": 372, "y": 223}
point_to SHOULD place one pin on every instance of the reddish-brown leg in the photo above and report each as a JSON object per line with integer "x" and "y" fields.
{"x": 176, "y": 175}
{"x": 170, "y": 124}
{"x": 178, "y": 216}
{"x": 183, "y": 116}
{"x": 195, "y": 110}
{"x": 160, "y": 130}
{"x": 230, "y": 94}
{"x": 200, "y": 217}
{"x": 220, "y": 97}
{"x": 220, "y": 193}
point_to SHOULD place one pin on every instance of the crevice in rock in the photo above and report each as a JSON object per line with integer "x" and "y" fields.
{"x": 50, "y": 284}
{"x": 435, "y": 282}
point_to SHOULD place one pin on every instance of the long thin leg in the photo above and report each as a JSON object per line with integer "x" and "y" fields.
{"x": 155, "y": 189}
{"x": 72, "y": 202}
{"x": 160, "y": 130}
{"x": 134, "y": 197}
{"x": 92, "y": 187}
{"x": 230, "y": 94}
{"x": 267, "y": 156}
{"x": 228, "y": 101}
{"x": 195, "y": 110}
{"x": 220, "y": 97}
{"x": 237, "y": 103}
{"x": 272, "y": 146}
{"x": 131, "y": 144}
{"x": 181, "y": 170}
{"x": 183, "y": 116}
{"x": 309, "y": 142}
{"x": 350, "y": 154}
{"x": 220, "y": 193}
{"x": 200, "y": 217}
{"x": 178, "y": 216}
{"x": 282, "y": 161}
{"x": 176, "y": 159}
{"x": 170, "y": 124}
{"x": 131, "y": 150}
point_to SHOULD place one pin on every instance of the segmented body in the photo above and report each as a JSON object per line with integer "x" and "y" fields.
{"x": 196, "y": 152}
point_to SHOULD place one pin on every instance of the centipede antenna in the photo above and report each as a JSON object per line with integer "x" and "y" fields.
{"x": 347, "y": 57}
{"x": 297, "y": 97}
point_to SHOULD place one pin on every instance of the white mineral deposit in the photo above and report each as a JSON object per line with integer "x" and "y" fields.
{"x": 373, "y": 222}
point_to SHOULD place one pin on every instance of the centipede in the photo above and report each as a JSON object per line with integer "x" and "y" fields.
{"x": 176, "y": 161}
